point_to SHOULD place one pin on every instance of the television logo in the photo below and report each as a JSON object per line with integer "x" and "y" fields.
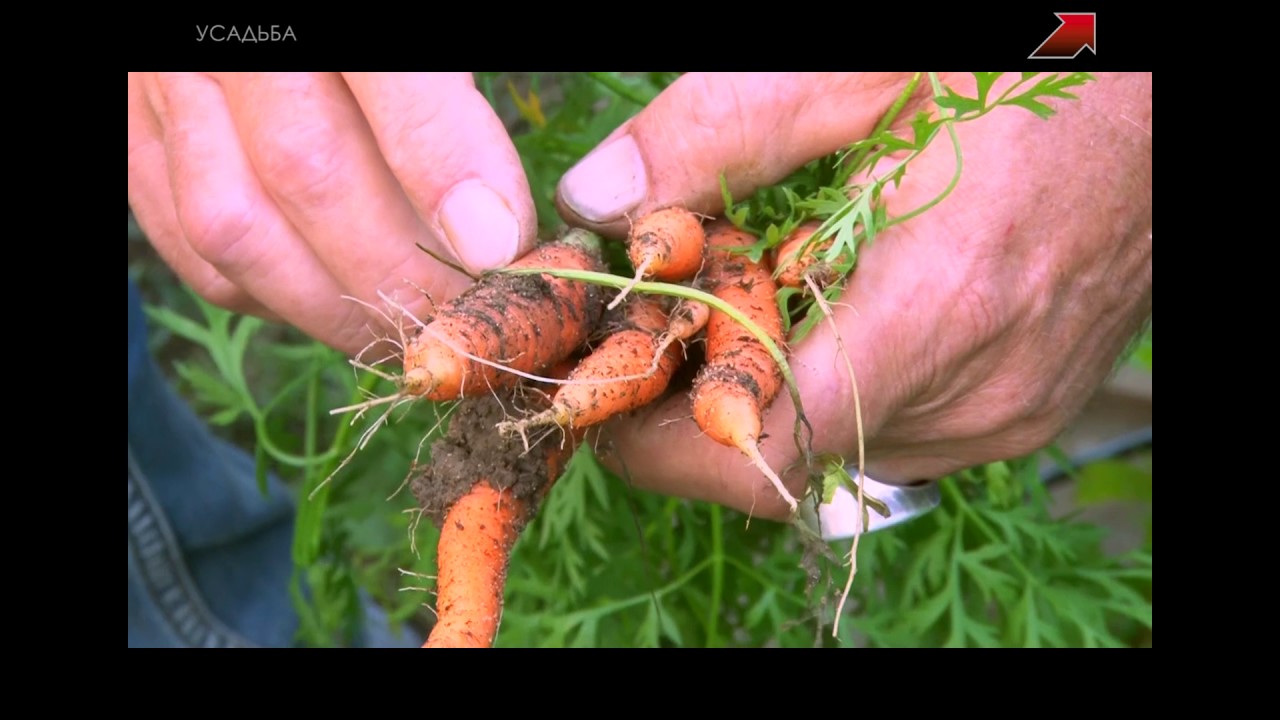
{"x": 1076, "y": 32}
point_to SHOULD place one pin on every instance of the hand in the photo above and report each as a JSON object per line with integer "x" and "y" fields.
{"x": 277, "y": 194}
{"x": 977, "y": 330}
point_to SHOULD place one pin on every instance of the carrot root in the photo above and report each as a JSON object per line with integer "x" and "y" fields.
{"x": 475, "y": 547}
{"x": 622, "y": 294}
{"x": 752, "y": 451}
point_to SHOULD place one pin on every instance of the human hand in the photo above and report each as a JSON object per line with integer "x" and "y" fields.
{"x": 977, "y": 330}
{"x": 277, "y": 194}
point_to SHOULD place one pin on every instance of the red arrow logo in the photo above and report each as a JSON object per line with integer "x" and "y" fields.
{"x": 1077, "y": 32}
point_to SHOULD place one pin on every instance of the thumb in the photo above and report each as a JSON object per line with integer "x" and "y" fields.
{"x": 755, "y": 128}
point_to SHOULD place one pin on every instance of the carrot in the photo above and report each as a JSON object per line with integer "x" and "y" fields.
{"x": 796, "y": 256}
{"x": 474, "y": 550}
{"x": 524, "y": 323}
{"x": 666, "y": 245}
{"x": 630, "y": 356}
{"x": 481, "y": 490}
{"x": 687, "y": 319}
{"x": 740, "y": 378}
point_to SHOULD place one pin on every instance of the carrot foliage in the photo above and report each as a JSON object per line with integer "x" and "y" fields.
{"x": 836, "y": 190}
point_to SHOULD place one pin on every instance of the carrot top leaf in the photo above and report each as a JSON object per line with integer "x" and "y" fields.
{"x": 852, "y": 212}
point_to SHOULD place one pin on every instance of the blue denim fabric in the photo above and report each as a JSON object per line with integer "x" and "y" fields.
{"x": 209, "y": 555}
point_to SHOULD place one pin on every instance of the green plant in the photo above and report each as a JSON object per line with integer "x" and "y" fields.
{"x": 605, "y": 565}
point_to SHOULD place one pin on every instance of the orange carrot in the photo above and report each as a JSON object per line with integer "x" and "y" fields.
{"x": 626, "y": 355}
{"x": 481, "y": 520}
{"x": 475, "y": 547}
{"x": 687, "y": 319}
{"x": 522, "y": 322}
{"x": 796, "y": 256}
{"x": 740, "y": 378}
{"x": 666, "y": 245}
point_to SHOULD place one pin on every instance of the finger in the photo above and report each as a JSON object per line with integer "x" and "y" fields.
{"x": 755, "y": 128}
{"x": 152, "y": 201}
{"x": 233, "y": 224}
{"x": 662, "y": 449}
{"x": 316, "y": 157}
{"x": 455, "y": 161}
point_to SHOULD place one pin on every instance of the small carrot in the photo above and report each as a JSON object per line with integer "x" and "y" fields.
{"x": 667, "y": 244}
{"x": 627, "y": 356}
{"x": 797, "y": 256}
{"x": 524, "y": 323}
{"x": 474, "y": 550}
{"x": 740, "y": 378}
{"x": 687, "y": 319}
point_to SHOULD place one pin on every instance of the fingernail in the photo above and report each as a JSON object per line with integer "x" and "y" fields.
{"x": 480, "y": 226}
{"x": 607, "y": 183}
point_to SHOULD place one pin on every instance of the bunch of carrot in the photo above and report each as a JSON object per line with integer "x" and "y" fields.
{"x": 514, "y": 328}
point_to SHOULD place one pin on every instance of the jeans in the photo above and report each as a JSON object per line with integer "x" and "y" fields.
{"x": 209, "y": 555}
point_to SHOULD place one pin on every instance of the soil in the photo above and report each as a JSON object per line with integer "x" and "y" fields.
{"x": 472, "y": 450}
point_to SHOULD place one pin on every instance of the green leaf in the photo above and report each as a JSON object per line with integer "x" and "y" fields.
{"x": 1025, "y": 620}
{"x": 922, "y": 616}
{"x": 783, "y": 299}
{"x": 992, "y": 583}
{"x": 670, "y": 628}
{"x": 960, "y": 104}
{"x": 647, "y": 634}
{"x": 931, "y": 563}
{"x": 586, "y": 635}
{"x": 760, "y": 608}
{"x": 985, "y": 81}
{"x": 225, "y": 417}
{"x": 831, "y": 482}
{"x": 1030, "y": 103}
{"x": 179, "y": 325}
{"x": 923, "y": 129}
{"x": 209, "y": 389}
{"x": 1052, "y": 86}
{"x": 811, "y": 318}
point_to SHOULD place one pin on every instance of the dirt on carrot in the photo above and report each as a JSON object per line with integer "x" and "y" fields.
{"x": 470, "y": 450}
{"x": 482, "y": 489}
{"x": 624, "y": 372}
{"x": 521, "y": 322}
{"x": 667, "y": 244}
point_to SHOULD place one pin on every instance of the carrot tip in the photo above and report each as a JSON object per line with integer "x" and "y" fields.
{"x": 752, "y": 451}
{"x": 418, "y": 381}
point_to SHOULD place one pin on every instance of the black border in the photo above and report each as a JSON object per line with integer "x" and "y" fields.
{"x": 563, "y": 37}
